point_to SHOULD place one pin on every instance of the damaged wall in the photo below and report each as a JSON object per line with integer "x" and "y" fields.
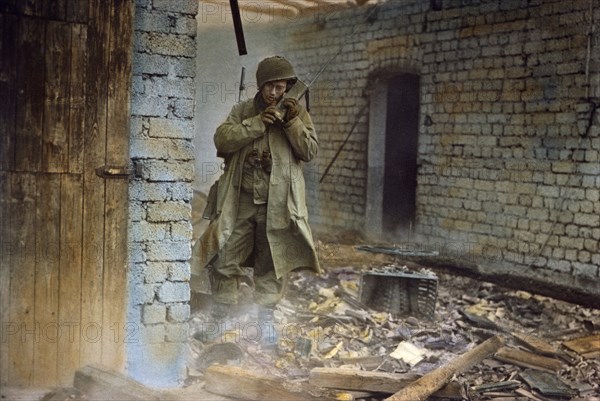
{"x": 507, "y": 164}
{"x": 164, "y": 68}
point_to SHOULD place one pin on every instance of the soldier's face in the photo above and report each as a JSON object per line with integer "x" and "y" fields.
{"x": 272, "y": 91}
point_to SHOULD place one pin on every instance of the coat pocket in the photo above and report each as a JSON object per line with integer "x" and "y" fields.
{"x": 297, "y": 196}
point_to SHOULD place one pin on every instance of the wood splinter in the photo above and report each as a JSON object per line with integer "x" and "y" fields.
{"x": 422, "y": 388}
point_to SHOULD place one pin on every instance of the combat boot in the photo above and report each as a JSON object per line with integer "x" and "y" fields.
{"x": 215, "y": 324}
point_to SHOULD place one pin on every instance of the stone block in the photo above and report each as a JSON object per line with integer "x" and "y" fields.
{"x": 154, "y": 313}
{"x": 181, "y": 191}
{"x": 170, "y": 128}
{"x": 169, "y": 211}
{"x": 156, "y": 64}
{"x": 187, "y": 7}
{"x": 176, "y": 332}
{"x": 160, "y": 171}
{"x": 178, "y": 313}
{"x": 162, "y": 148}
{"x": 585, "y": 270}
{"x": 148, "y": 191}
{"x": 179, "y": 271}
{"x": 142, "y": 294}
{"x": 144, "y": 231}
{"x": 154, "y": 333}
{"x": 184, "y": 108}
{"x": 169, "y": 86}
{"x": 181, "y": 231}
{"x": 169, "y": 251}
{"x": 151, "y": 21}
{"x": 174, "y": 292}
{"x": 155, "y": 272}
{"x": 166, "y": 44}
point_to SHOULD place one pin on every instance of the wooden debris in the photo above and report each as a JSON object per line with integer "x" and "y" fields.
{"x": 547, "y": 384}
{"x": 587, "y": 347}
{"x": 535, "y": 344}
{"x": 367, "y": 362}
{"x": 500, "y": 386}
{"x": 65, "y": 394}
{"x": 100, "y": 383}
{"x": 528, "y": 360}
{"x": 351, "y": 379}
{"x": 436, "y": 379}
{"x": 233, "y": 381}
{"x": 451, "y": 391}
{"x": 529, "y": 395}
{"x": 478, "y": 320}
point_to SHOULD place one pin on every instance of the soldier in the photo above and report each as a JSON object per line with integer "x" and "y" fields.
{"x": 260, "y": 216}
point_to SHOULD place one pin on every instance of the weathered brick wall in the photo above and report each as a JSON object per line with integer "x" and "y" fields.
{"x": 160, "y": 232}
{"x": 505, "y": 176}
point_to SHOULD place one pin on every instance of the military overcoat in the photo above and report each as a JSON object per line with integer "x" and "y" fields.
{"x": 291, "y": 144}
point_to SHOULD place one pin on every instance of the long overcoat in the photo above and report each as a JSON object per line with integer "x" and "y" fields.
{"x": 288, "y": 232}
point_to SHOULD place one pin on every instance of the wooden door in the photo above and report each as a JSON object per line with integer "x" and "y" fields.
{"x": 65, "y": 70}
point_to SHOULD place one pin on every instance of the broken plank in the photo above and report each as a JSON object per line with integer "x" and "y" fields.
{"x": 588, "y": 346}
{"x": 451, "y": 391}
{"x": 101, "y": 383}
{"x": 547, "y": 384}
{"x": 431, "y": 382}
{"x": 535, "y": 344}
{"x": 351, "y": 379}
{"x": 495, "y": 387}
{"x": 232, "y": 381}
{"x": 528, "y": 360}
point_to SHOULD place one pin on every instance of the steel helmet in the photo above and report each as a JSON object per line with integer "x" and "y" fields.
{"x": 274, "y": 69}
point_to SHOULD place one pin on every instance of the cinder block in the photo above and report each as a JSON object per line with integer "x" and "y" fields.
{"x": 174, "y": 292}
{"x": 178, "y": 313}
{"x": 169, "y": 211}
{"x": 168, "y": 251}
{"x": 155, "y": 272}
{"x": 154, "y": 313}
{"x": 188, "y": 7}
{"x": 179, "y": 271}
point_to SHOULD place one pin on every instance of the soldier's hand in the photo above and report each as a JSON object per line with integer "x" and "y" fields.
{"x": 269, "y": 115}
{"x": 292, "y": 108}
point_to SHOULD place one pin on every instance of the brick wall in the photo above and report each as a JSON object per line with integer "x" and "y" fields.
{"x": 160, "y": 232}
{"x": 505, "y": 176}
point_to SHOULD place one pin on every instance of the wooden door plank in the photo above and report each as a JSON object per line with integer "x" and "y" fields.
{"x": 55, "y": 142}
{"x": 34, "y": 8}
{"x": 69, "y": 297}
{"x": 30, "y": 95}
{"x": 56, "y": 9}
{"x": 77, "y": 11}
{"x": 117, "y": 153}
{"x": 8, "y": 6}
{"x": 77, "y": 97}
{"x": 47, "y": 226}
{"x": 5, "y": 252}
{"x": 22, "y": 280}
{"x": 8, "y": 78}
{"x": 93, "y": 207}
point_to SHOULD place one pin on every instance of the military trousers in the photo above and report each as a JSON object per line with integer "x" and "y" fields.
{"x": 248, "y": 237}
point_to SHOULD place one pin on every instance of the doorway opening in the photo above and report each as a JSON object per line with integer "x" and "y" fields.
{"x": 401, "y": 146}
{"x": 393, "y": 147}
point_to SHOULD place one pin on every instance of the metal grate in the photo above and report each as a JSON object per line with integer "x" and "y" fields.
{"x": 400, "y": 292}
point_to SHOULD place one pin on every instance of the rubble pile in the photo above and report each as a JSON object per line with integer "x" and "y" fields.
{"x": 551, "y": 348}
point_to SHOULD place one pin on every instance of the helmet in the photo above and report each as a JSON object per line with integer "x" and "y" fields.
{"x": 274, "y": 69}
